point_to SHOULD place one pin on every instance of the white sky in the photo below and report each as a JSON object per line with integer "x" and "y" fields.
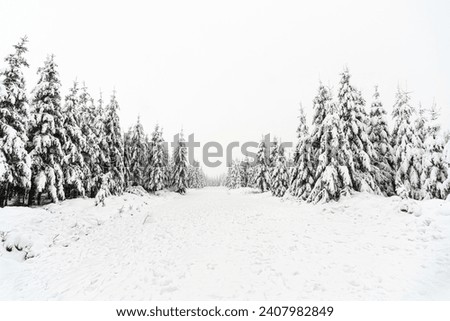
{"x": 233, "y": 70}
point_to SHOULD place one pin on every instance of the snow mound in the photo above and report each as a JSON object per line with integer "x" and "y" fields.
{"x": 136, "y": 190}
{"x": 28, "y": 232}
{"x": 411, "y": 207}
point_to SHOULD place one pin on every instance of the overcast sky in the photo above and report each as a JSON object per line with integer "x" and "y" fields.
{"x": 234, "y": 70}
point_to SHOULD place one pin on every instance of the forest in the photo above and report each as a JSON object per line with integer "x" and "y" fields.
{"x": 52, "y": 148}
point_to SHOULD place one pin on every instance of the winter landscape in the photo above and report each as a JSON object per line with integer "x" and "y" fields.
{"x": 357, "y": 208}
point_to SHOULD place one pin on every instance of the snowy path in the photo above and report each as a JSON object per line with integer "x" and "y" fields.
{"x": 220, "y": 244}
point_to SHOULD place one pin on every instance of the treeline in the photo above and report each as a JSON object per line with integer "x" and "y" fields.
{"x": 350, "y": 149}
{"x": 64, "y": 149}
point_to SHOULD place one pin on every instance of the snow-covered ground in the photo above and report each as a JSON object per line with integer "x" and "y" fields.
{"x": 220, "y": 244}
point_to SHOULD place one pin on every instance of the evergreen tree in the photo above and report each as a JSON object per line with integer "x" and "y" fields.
{"x": 405, "y": 144}
{"x": 280, "y": 177}
{"x": 96, "y": 148}
{"x": 302, "y": 171}
{"x": 180, "y": 166}
{"x": 273, "y": 154}
{"x": 235, "y": 175}
{"x": 446, "y": 184}
{"x": 114, "y": 140}
{"x": 380, "y": 137}
{"x": 244, "y": 168}
{"x": 434, "y": 171}
{"x": 262, "y": 173}
{"x": 15, "y": 163}
{"x": 353, "y": 121}
{"x": 420, "y": 124}
{"x": 228, "y": 182}
{"x": 74, "y": 167}
{"x": 138, "y": 154}
{"x": 330, "y": 151}
{"x": 156, "y": 171}
{"x": 47, "y": 134}
{"x": 196, "y": 177}
{"x": 127, "y": 158}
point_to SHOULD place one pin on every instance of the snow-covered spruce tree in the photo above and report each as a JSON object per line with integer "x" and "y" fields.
{"x": 170, "y": 169}
{"x": 406, "y": 144}
{"x": 96, "y": 149}
{"x": 15, "y": 163}
{"x": 180, "y": 166}
{"x": 74, "y": 167}
{"x": 244, "y": 167}
{"x": 302, "y": 170}
{"x": 138, "y": 154}
{"x": 354, "y": 122}
{"x": 446, "y": 184}
{"x": 434, "y": 171}
{"x": 273, "y": 154}
{"x": 235, "y": 175}
{"x": 196, "y": 177}
{"x": 420, "y": 124}
{"x": 127, "y": 158}
{"x": 228, "y": 182}
{"x": 167, "y": 161}
{"x": 201, "y": 177}
{"x": 156, "y": 172}
{"x": 251, "y": 175}
{"x": 47, "y": 135}
{"x": 379, "y": 135}
{"x": 280, "y": 176}
{"x": 114, "y": 139}
{"x": 262, "y": 170}
{"x": 330, "y": 152}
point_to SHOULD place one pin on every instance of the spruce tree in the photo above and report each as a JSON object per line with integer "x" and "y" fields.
{"x": 114, "y": 140}
{"x": 244, "y": 168}
{"x": 353, "y": 121}
{"x": 280, "y": 177}
{"x": 15, "y": 163}
{"x": 47, "y": 135}
{"x": 302, "y": 170}
{"x": 406, "y": 145}
{"x": 446, "y": 184}
{"x": 262, "y": 170}
{"x": 235, "y": 180}
{"x": 180, "y": 166}
{"x": 156, "y": 171}
{"x": 420, "y": 124}
{"x": 330, "y": 151}
{"x": 196, "y": 177}
{"x": 273, "y": 154}
{"x": 379, "y": 135}
{"x": 96, "y": 148}
{"x": 228, "y": 179}
{"x": 138, "y": 153}
{"x": 434, "y": 172}
{"x": 74, "y": 168}
{"x": 127, "y": 158}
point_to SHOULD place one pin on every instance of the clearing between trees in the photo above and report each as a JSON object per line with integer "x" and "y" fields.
{"x": 220, "y": 244}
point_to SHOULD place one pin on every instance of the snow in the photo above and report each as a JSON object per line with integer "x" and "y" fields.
{"x": 220, "y": 244}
